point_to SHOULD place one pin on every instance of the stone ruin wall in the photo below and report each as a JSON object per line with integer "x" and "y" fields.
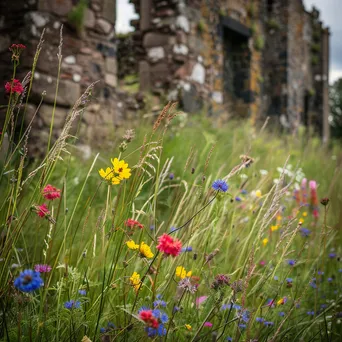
{"x": 180, "y": 51}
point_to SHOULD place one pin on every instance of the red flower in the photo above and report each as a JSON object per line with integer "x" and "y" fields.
{"x": 16, "y": 50}
{"x": 148, "y": 318}
{"x": 42, "y": 210}
{"x": 51, "y": 193}
{"x": 14, "y": 87}
{"x": 132, "y": 223}
{"x": 169, "y": 246}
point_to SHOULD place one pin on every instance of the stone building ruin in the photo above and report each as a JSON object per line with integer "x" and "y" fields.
{"x": 229, "y": 58}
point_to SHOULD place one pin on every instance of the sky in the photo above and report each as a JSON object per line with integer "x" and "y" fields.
{"x": 330, "y": 15}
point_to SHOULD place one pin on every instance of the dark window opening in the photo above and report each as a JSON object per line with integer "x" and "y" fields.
{"x": 306, "y": 109}
{"x": 236, "y": 73}
{"x": 270, "y": 6}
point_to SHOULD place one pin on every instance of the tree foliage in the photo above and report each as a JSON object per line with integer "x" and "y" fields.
{"x": 335, "y": 95}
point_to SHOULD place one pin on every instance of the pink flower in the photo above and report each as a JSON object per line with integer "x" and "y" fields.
{"x": 42, "y": 210}
{"x": 148, "y": 318}
{"x": 14, "y": 87}
{"x": 262, "y": 263}
{"x": 313, "y": 185}
{"x": 208, "y": 324}
{"x": 200, "y": 300}
{"x": 168, "y": 245}
{"x": 304, "y": 182}
{"x": 16, "y": 50}
{"x": 51, "y": 193}
{"x": 42, "y": 268}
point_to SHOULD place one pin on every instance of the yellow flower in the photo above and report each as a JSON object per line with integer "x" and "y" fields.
{"x": 188, "y": 326}
{"x": 132, "y": 245}
{"x": 279, "y": 218}
{"x": 274, "y": 228}
{"x": 108, "y": 174}
{"x": 301, "y": 220}
{"x": 281, "y": 301}
{"x": 135, "y": 281}
{"x": 258, "y": 193}
{"x": 265, "y": 241}
{"x": 121, "y": 168}
{"x": 145, "y": 251}
{"x": 181, "y": 272}
{"x": 117, "y": 173}
{"x": 305, "y": 214}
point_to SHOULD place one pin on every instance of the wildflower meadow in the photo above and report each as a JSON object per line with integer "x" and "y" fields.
{"x": 180, "y": 231}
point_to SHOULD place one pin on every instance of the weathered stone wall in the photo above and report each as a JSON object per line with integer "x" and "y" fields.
{"x": 248, "y": 58}
{"x": 89, "y": 55}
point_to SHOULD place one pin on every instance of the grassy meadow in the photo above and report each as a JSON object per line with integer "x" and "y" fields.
{"x": 201, "y": 234}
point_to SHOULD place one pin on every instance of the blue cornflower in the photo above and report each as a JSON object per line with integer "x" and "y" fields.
{"x": 28, "y": 281}
{"x": 159, "y": 303}
{"x": 311, "y": 313}
{"x": 289, "y": 280}
{"x": 242, "y": 326}
{"x": 230, "y": 306}
{"x": 324, "y": 306}
{"x": 268, "y": 323}
{"x": 152, "y": 332}
{"x": 152, "y": 227}
{"x": 176, "y": 308}
{"x": 82, "y": 292}
{"x": 171, "y": 175}
{"x": 340, "y": 270}
{"x": 244, "y": 192}
{"x": 238, "y": 199}
{"x": 230, "y": 339}
{"x": 245, "y": 316}
{"x": 172, "y": 229}
{"x": 102, "y": 330}
{"x": 111, "y": 325}
{"x": 332, "y": 255}
{"x": 72, "y": 304}
{"x": 186, "y": 249}
{"x": 260, "y": 319}
{"x": 313, "y": 284}
{"x": 276, "y": 278}
{"x": 305, "y": 232}
{"x": 220, "y": 185}
{"x": 297, "y": 306}
{"x": 282, "y": 314}
{"x": 330, "y": 280}
{"x": 164, "y": 318}
{"x": 291, "y": 262}
{"x": 320, "y": 272}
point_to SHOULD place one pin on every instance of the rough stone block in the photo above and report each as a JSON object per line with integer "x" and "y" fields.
{"x": 45, "y": 113}
{"x": 152, "y": 39}
{"x": 68, "y": 92}
{"x": 61, "y": 7}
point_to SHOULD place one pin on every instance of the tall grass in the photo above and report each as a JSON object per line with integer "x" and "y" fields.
{"x": 263, "y": 257}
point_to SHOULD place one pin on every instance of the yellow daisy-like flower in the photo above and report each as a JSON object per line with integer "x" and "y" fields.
{"x": 274, "y": 228}
{"x": 117, "y": 173}
{"x": 121, "y": 168}
{"x": 265, "y": 241}
{"x": 132, "y": 245}
{"x": 145, "y": 251}
{"x": 188, "y": 326}
{"x": 258, "y": 193}
{"x": 305, "y": 214}
{"x": 107, "y": 174}
{"x": 135, "y": 281}
{"x": 281, "y": 301}
{"x": 181, "y": 272}
{"x": 301, "y": 220}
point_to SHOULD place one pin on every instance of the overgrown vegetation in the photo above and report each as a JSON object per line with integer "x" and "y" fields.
{"x": 190, "y": 233}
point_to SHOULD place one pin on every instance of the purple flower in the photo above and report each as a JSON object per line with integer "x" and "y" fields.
{"x": 238, "y": 199}
{"x": 171, "y": 175}
{"x": 332, "y": 255}
{"x": 208, "y": 324}
{"x": 291, "y": 262}
{"x": 260, "y": 319}
{"x": 220, "y": 185}
{"x": 268, "y": 324}
{"x": 282, "y": 314}
{"x": 186, "y": 249}
{"x": 82, "y": 292}
{"x": 42, "y": 268}
{"x": 305, "y": 232}
{"x": 320, "y": 272}
{"x": 242, "y": 326}
{"x": 330, "y": 280}
{"x": 311, "y": 313}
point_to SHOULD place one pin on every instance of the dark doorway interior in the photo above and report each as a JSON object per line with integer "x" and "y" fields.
{"x": 237, "y": 58}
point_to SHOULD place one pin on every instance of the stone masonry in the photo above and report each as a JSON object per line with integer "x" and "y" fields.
{"x": 245, "y": 58}
{"x": 242, "y": 58}
{"x": 89, "y": 54}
